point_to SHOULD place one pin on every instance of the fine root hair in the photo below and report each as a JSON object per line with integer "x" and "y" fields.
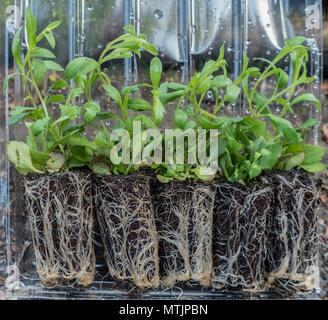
{"x": 239, "y": 221}
{"x": 61, "y": 221}
{"x": 292, "y": 226}
{"x": 126, "y": 219}
{"x": 184, "y": 215}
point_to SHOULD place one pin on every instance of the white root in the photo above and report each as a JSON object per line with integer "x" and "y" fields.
{"x": 184, "y": 221}
{"x": 292, "y": 232}
{"x": 126, "y": 218}
{"x": 239, "y": 251}
{"x": 61, "y": 221}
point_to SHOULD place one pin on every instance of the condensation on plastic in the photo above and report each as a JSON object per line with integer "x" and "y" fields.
{"x": 187, "y": 33}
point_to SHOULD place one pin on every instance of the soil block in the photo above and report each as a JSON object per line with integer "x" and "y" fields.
{"x": 126, "y": 218}
{"x": 239, "y": 238}
{"x": 61, "y": 220}
{"x": 184, "y": 217}
{"x": 292, "y": 231}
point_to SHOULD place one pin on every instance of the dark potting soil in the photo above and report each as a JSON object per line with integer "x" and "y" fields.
{"x": 184, "y": 222}
{"x": 239, "y": 221}
{"x": 126, "y": 219}
{"x": 61, "y": 220}
{"x": 292, "y": 231}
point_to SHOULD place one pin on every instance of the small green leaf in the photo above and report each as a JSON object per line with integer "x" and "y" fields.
{"x": 40, "y": 125}
{"x": 180, "y": 119}
{"x": 39, "y": 70}
{"x": 129, "y": 29}
{"x": 101, "y": 168}
{"x": 295, "y": 161}
{"x": 30, "y": 27}
{"x": 309, "y": 123}
{"x": 285, "y": 128}
{"x": 70, "y": 111}
{"x": 158, "y": 110}
{"x": 16, "y": 51}
{"x": 221, "y": 81}
{"x": 56, "y": 98}
{"x": 283, "y": 79}
{"x": 232, "y": 93}
{"x": 155, "y": 71}
{"x": 19, "y": 154}
{"x": 56, "y": 161}
{"x": 307, "y": 97}
{"x": 312, "y": 154}
{"x": 42, "y": 53}
{"x": 314, "y": 167}
{"x": 51, "y": 65}
{"x": 16, "y": 118}
{"x": 113, "y": 93}
{"x": 90, "y": 111}
{"x": 82, "y": 65}
{"x": 139, "y": 104}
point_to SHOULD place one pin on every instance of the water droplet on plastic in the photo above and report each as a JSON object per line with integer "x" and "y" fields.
{"x": 193, "y": 28}
{"x": 268, "y": 25}
{"x": 90, "y": 8}
{"x": 158, "y": 14}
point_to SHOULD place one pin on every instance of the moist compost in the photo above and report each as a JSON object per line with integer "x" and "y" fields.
{"x": 239, "y": 238}
{"x": 184, "y": 217}
{"x": 292, "y": 231}
{"x": 61, "y": 221}
{"x": 126, "y": 219}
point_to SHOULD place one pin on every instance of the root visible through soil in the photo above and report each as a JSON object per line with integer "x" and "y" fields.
{"x": 239, "y": 221}
{"x": 61, "y": 221}
{"x": 292, "y": 231}
{"x": 126, "y": 219}
{"x": 184, "y": 221}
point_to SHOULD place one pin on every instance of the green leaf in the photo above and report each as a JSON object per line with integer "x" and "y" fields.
{"x": 180, "y": 119}
{"x": 139, "y": 104}
{"x": 295, "y": 161}
{"x": 158, "y": 111}
{"x": 221, "y": 81}
{"x": 129, "y": 29}
{"x": 50, "y": 38}
{"x": 284, "y": 128}
{"x": 90, "y": 111}
{"x": 175, "y": 86}
{"x": 16, "y": 118}
{"x": 19, "y": 154}
{"x": 70, "y": 111}
{"x": 314, "y": 167}
{"x": 56, "y": 161}
{"x": 268, "y": 162}
{"x": 39, "y": 157}
{"x": 307, "y": 97}
{"x": 30, "y": 27}
{"x": 59, "y": 84}
{"x": 42, "y": 53}
{"x": 254, "y": 171}
{"x": 145, "y": 120}
{"x": 204, "y": 86}
{"x": 283, "y": 79}
{"x": 106, "y": 115}
{"x": 155, "y": 71}
{"x": 171, "y": 96}
{"x": 56, "y": 98}
{"x": 40, "y": 125}
{"x": 51, "y": 65}
{"x": 39, "y": 70}
{"x": 101, "y": 168}
{"x": 16, "y": 51}
{"x": 312, "y": 154}
{"x": 207, "y": 124}
{"x": 80, "y": 66}
{"x": 113, "y": 93}
{"x": 232, "y": 93}
{"x": 309, "y": 123}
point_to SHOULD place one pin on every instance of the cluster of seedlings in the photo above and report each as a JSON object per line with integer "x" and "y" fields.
{"x": 251, "y": 225}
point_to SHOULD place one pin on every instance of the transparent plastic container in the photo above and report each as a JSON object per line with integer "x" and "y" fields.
{"x": 186, "y": 33}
